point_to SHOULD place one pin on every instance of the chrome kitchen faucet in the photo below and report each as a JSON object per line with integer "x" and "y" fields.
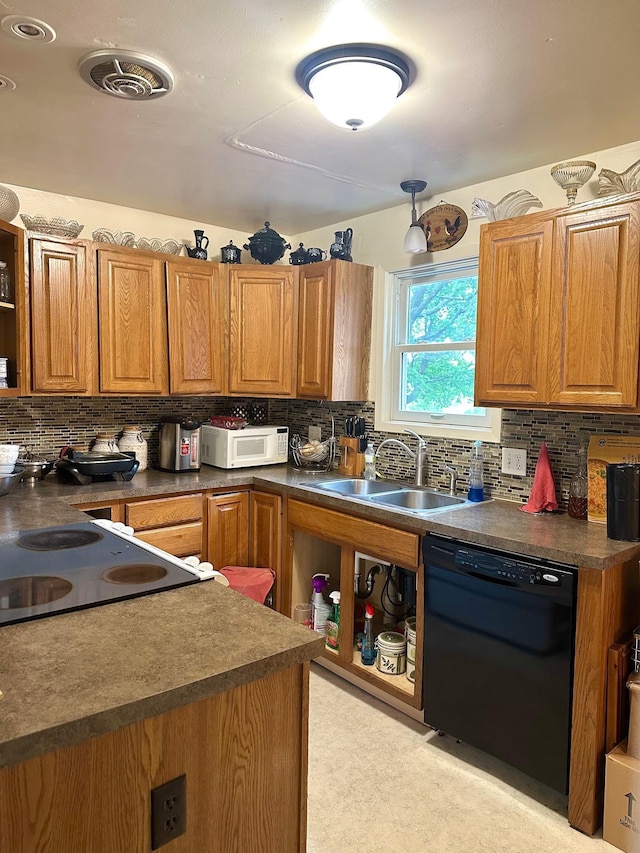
{"x": 420, "y": 455}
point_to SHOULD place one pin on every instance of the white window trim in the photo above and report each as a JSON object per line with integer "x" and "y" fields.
{"x": 386, "y": 285}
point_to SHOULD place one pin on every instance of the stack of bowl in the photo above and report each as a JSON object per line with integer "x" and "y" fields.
{"x": 9, "y": 472}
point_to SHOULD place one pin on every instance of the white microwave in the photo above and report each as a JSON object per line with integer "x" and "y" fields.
{"x": 242, "y": 448}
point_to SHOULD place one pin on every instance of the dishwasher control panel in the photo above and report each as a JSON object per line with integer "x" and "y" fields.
{"x": 505, "y": 567}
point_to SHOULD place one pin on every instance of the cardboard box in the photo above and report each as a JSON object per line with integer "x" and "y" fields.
{"x": 604, "y": 450}
{"x": 622, "y": 800}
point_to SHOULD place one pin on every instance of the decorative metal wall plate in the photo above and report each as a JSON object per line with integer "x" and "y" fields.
{"x": 444, "y": 225}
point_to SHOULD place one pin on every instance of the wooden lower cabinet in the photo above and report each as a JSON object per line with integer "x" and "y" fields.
{"x": 228, "y": 529}
{"x": 265, "y": 537}
{"x": 174, "y": 524}
{"x": 323, "y": 540}
{"x": 244, "y": 754}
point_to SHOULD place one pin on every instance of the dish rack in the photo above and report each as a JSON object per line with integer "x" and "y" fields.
{"x": 313, "y": 457}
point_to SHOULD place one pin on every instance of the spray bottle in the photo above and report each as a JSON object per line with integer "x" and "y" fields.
{"x": 332, "y": 636}
{"x": 368, "y": 652}
{"x": 319, "y": 607}
{"x": 476, "y": 473}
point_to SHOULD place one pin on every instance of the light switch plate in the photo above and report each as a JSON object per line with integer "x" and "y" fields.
{"x": 315, "y": 433}
{"x": 514, "y": 461}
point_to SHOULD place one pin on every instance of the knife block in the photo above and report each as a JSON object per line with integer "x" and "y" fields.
{"x": 351, "y": 460}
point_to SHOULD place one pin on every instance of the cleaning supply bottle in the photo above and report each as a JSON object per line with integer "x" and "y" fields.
{"x": 476, "y": 473}
{"x": 319, "y": 608}
{"x": 369, "y": 462}
{"x": 368, "y": 651}
{"x": 332, "y": 636}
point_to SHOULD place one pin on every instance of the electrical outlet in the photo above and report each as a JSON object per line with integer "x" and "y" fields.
{"x": 315, "y": 433}
{"x": 168, "y": 811}
{"x": 514, "y": 461}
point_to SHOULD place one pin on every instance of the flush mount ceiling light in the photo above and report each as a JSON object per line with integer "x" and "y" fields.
{"x": 126, "y": 74}
{"x": 415, "y": 240}
{"x": 6, "y": 84}
{"x": 354, "y": 85}
{"x": 28, "y": 28}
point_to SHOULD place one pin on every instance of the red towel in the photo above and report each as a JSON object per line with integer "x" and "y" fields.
{"x": 252, "y": 582}
{"x": 543, "y": 491}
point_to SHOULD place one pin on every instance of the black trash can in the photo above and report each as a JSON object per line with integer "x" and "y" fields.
{"x": 623, "y": 501}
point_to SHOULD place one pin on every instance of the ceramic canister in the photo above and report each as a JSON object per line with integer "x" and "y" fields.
{"x": 133, "y": 441}
{"x": 410, "y": 634}
{"x": 392, "y": 653}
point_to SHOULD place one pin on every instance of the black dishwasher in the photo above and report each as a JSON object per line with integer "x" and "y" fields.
{"x": 498, "y": 654}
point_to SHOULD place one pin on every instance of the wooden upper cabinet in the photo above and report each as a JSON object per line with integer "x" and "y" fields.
{"x": 559, "y": 309}
{"x": 197, "y": 309}
{"x": 13, "y": 315}
{"x": 133, "y": 323}
{"x": 64, "y": 320}
{"x": 263, "y": 330}
{"x": 334, "y": 330}
{"x": 595, "y": 308}
{"x": 513, "y": 311}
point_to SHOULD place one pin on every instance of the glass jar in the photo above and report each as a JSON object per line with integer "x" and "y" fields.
{"x": 579, "y": 488}
{"x": 5, "y": 283}
{"x": 133, "y": 441}
{"x": 105, "y": 442}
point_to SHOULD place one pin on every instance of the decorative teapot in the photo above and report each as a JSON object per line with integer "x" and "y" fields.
{"x": 300, "y": 256}
{"x": 266, "y": 245}
{"x": 341, "y": 247}
{"x": 230, "y": 254}
{"x": 200, "y": 250}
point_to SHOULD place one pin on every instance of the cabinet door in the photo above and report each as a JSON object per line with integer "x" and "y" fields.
{"x": 595, "y": 308}
{"x": 13, "y": 315}
{"x": 265, "y": 535}
{"x": 334, "y": 337}
{"x": 64, "y": 319}
{"x": 197, "y": 327}
{"x": 133, "y": 323}
{"x": 263, "y": 331}
{"x": 513, "y": 311}
{"x": 228, "y": 529}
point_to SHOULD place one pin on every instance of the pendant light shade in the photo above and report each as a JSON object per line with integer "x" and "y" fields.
{"x": 415, "y": 240}
{"x": 354, "y": 85}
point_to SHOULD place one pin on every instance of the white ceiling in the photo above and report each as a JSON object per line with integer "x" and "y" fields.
{"x": 501, "y": 86}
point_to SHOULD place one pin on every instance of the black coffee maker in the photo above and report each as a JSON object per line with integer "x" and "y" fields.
{"x": 623, "y": 501}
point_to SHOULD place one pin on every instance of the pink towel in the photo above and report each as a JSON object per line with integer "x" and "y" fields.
{"x": 252, "y": 582}
{"x": 543, "y": 491}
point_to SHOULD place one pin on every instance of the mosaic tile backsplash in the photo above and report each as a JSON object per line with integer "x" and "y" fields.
{"x": 48, "y": 423}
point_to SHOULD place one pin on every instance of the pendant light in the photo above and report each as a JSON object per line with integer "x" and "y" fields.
{"x": 415, "y": 240}
{"x": 354, "y": 85}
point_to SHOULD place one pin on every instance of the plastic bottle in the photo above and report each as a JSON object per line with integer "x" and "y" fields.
{"x": 368, "y": 651}
{"x": 319, "y": 608}
{"x": 332, "y": 636}
{"x": 476, "y": 473}
{"x": 369, "y": 462}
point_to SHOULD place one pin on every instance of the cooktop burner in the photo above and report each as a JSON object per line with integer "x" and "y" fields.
{"x": 69, "y": 567}
{"x": 58, "y": 539}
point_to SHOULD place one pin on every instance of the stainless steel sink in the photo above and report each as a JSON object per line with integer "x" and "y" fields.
{"x": 357, "y": 487}
{"x": 394, "y": 495}
{"x": 417, "y": 499}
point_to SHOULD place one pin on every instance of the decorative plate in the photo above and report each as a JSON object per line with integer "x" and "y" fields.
{"x": 444, "y": 225}
{"x": 153, "y": 244}
{"x": 114, "y": 238}
{"x": 57, "y": 226}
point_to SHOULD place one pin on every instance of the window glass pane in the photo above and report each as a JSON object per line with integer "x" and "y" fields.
{"x": 439, "y": 382}
{"x": 442, "y": 311}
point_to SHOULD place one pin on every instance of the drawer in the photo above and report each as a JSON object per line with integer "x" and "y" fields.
{"x": 182, "y": 540}
{"x": 144, "y": 515}
{"x": 389, "y": 543}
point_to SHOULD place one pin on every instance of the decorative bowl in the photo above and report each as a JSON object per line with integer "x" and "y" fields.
{"x": 57, "y": 226}
{"x": 571, "y": 176}
{"x": 154, "y": 244}
{"x": 227, "y": 422}
{"x": 114, "y": 238}
{"x": 9, "y": 481}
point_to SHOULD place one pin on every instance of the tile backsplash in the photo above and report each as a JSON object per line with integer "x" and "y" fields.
{"x": 49, "y": 423}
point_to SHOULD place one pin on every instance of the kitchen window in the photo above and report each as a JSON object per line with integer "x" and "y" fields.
{"x": 427, "y": 366}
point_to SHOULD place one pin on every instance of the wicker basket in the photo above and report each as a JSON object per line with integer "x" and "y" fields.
{"x": 308, "y": 457}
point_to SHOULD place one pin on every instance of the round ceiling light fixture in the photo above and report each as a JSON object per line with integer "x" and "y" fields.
{"x": 30, "y": 29}
{"x": 6, "y": 84}
{"x": 126, "y": 74}
{"x": 354, "y": 85}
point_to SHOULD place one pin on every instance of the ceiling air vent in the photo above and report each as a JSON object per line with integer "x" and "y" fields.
{"x": 126, "y": 74}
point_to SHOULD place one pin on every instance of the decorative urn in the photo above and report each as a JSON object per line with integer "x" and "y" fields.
{"x": 266, "y": 245}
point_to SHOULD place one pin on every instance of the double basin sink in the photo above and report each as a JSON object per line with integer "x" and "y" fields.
{"x": 415, "y": 499}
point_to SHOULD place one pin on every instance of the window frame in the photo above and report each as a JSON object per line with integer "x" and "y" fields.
{"x": 388, "y": 418}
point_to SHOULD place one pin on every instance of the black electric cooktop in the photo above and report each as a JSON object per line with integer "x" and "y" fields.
{"x": 56, "y": 569}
